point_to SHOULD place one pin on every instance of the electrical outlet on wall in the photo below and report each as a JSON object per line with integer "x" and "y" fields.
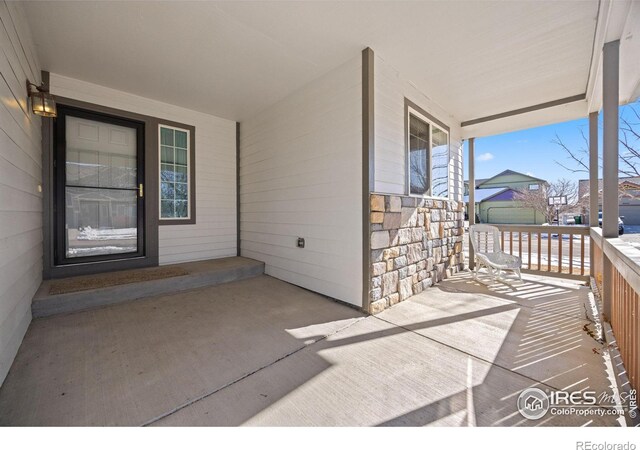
{"x": 301, "y": 242}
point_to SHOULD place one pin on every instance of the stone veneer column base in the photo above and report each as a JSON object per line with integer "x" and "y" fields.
{"x": 415, "y": 243}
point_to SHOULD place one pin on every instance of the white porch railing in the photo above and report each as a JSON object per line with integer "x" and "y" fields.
{"x": 616, "y": 268}
{"x": 549, "y": 250}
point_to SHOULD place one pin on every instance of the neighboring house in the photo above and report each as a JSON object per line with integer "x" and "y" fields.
{"x": 629, "y": 195}
{"x": 496, "y": 198}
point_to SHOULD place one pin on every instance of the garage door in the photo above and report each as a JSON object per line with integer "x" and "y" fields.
{"x": 631, "y": 214}
{"x": 510, "y": 215}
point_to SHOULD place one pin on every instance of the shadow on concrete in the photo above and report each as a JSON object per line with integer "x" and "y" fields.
{"x": 263, "y": 352}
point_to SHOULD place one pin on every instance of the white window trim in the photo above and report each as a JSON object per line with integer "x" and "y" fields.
{"x": 160, "y": 127}
{"x": 418, "y": 114}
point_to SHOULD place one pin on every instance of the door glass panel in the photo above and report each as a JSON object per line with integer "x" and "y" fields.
{"x": 101, "y": 221}
{"x": 100, "y": 154}
{"x": 101, "y": 188}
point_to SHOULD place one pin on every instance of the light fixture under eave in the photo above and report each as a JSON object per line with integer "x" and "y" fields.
{"x": 42, "y": 102}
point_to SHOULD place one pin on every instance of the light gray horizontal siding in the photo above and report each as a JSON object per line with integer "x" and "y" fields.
{"x": 214, "y": 234}
{"x": 300, "y": 175}
{"x": 389, "y": 94}
{"x": 20, "y": 175}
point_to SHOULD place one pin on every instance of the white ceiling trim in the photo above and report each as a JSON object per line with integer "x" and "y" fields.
{"x": 630, "y": 56}
{"x": 594, "y": 86}
{"x": 614, "y": 23}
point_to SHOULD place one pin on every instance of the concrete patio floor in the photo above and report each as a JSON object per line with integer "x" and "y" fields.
{"x": 264, "y": 352}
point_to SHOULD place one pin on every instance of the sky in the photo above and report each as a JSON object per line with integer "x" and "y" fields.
{"x": 532, "y": 151}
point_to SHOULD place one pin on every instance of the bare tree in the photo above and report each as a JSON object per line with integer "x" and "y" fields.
{"x": 538, "y": 199}
{"x": 630, "y": 140}
{"x": 629, "y": 153}
{"x": 579, "y": 157}
{"x": 629, "y": 137}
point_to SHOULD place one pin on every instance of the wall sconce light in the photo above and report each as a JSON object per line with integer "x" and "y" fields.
{"x": 42, "y": 102}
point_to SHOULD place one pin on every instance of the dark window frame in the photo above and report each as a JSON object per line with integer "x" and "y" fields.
{"x": 191, "y": 220}
{"x": 431, "y": 121}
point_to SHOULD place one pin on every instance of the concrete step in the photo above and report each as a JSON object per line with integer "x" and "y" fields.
{"x": 199, "y": 274}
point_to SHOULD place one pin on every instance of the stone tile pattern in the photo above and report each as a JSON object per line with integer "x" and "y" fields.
{"x": 415, "y": 243}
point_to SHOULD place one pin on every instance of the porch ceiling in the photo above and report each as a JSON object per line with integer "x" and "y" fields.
{"x": 233, "y": 59}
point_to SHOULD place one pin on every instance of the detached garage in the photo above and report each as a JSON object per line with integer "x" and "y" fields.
{"x": 499, "y": 205}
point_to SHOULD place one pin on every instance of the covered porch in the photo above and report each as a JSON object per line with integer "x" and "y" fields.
{"x": 592, "y": 253}
{"x": 264, "y": 352}
{"x": 303, "y": 163}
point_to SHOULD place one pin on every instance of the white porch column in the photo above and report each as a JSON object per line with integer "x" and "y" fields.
{"x": 472, "y": 197}
{"x": 593, "y": 176}
{"x": 610, "y": 100}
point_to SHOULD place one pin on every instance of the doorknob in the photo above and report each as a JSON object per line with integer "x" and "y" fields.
{"x": 141, "y": 190}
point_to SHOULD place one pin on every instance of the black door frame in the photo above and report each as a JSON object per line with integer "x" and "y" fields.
{"x": 151, "y": 205}
{"x": 60, "y": 184}
{"x": 151, "y": 191}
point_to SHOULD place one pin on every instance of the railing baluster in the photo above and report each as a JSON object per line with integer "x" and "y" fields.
{"x": 511, "y": 242}
{"x": 502, "y": 239}
{"x": 539, "y": 251}
{"x": 559, "y": 252}
{"x": 627, "y": 314}
{"x": 630, "y": 320}
{"x": 520, "y": 245}
{"x": 529, "y": 250}
{"x": 636, "y": 332}
{"x": 582, "y": 255}
{"x": 548, "y": 252}
{"x": 635, "y": 326}
{"x": 571, "y": 254}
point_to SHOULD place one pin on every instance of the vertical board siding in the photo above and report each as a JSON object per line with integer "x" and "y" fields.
{"x": 389, "y": 94}
{"x": 20, "y": 176}
{"x": 300, "y": 175}
{"x": 214, "y": 234}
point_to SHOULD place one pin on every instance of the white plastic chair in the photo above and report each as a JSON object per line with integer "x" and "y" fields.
{"x": 485, "y": 240}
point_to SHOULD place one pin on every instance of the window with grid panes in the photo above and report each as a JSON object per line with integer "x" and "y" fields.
{"x": 174, "y": 173}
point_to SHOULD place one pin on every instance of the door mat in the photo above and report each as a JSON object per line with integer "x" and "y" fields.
{"x": 86, "y": 282}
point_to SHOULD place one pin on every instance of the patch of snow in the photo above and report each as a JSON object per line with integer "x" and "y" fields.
{"x": 92, "y": 234}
